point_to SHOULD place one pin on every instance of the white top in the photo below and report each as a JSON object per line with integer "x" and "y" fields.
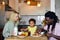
{"x": 15, "y": 31}
{"x": 56, "y": 31}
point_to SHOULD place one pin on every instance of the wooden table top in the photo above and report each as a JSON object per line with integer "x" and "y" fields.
{"x": 27, "y": 38}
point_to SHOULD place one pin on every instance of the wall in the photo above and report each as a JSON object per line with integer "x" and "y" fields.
{"x": 2, "y": 21}
{"x": 25, "y": 19}
{"x": 25, "y": 9}
{"x": 2, "y": 14}
{"x": 57, "y": 8}
{"x": 14, "y": 4}
{"x": 34, "y": 10}
{"x": 52, "y": 5}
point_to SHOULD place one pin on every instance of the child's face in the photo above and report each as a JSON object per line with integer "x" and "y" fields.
{"x": 31, "y": 23}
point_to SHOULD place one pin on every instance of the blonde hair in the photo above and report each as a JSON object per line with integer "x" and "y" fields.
{"x": 11, "y": 18}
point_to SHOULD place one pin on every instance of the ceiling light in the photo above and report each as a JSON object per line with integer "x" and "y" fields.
{"x": 38, "y": 4}
{"x": 3, "y": 3}
{"x": 28, "y": 2}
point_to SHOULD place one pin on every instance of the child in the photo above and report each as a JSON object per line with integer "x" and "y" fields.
{"x": 32, "y": 28}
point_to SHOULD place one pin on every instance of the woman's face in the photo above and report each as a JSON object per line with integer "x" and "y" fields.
{"x": 48, "y": 20}
{"x": 16, "y": 18}
{"x": 31, "y": 23}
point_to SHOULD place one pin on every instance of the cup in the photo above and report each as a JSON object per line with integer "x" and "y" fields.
{"x": 42, "y": 33}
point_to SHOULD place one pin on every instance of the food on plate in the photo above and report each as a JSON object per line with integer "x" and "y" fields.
{"x": 24, "y": 34}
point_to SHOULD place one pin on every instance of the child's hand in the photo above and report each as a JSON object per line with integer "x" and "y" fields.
{"x": 21, "y": 29}
{"x": 24, "y": 29}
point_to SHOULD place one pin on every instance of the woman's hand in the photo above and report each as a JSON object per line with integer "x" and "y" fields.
{"x": 50, "y": 35}
{"x": 55, "y": 36}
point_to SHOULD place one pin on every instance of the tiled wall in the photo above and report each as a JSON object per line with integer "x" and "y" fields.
{"x": 25, "y": 19}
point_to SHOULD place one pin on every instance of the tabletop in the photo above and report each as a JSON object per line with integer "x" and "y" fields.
{"x": 27, "y": 38}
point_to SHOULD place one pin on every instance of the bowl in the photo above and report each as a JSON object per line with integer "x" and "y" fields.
{"x": 19, "y": 33}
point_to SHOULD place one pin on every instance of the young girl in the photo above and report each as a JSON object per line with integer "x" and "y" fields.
{"x": 32, "y": 28}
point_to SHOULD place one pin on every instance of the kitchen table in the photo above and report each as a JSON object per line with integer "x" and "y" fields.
{"x": 27, "y": 38}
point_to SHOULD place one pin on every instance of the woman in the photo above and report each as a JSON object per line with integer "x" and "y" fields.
{"x": 9, "y": 26}
{"x": 53, "y": 27}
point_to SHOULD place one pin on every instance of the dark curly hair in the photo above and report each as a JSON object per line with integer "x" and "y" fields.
{"x": 51, "y": 15}
{"x": 32, "y": 20}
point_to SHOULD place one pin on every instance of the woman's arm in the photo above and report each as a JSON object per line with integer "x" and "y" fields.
{"x": 52, "y": 35}
{"x": 7, "y": 29}
{"x": 55, "y": 36}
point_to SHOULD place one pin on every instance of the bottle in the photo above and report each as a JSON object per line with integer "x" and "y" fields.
{"x": 29, "y": 34}
{"x": 15, "y": 31}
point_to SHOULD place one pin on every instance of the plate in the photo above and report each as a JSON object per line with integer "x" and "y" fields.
{"x": 21, "y": 36}
{"x": 36, "y": 35}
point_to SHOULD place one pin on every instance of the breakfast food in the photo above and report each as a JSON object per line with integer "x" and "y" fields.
{"x": 24, "y": 34}
{"x": 36, "y": 34}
